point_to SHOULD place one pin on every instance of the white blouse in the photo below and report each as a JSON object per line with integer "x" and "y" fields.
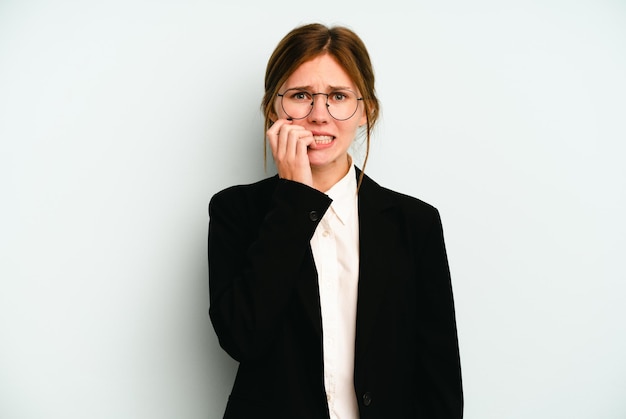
{"x": 335, "y": 246}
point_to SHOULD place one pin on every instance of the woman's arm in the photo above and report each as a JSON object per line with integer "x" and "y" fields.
{"x": 254, "y": 261}
{"x": 439, "y": 361}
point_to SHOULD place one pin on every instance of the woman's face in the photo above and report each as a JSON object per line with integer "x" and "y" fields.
{"x": 332, "y": 137}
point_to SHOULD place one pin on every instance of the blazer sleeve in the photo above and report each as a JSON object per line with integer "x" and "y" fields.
{"x": 254, "y": 260}
{"x": 440, "y": 363}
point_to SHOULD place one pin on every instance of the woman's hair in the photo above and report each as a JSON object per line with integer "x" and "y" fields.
{"x": 306, "y": 42}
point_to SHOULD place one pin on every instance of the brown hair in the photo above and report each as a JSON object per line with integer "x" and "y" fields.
{"x": 306, "y": 42}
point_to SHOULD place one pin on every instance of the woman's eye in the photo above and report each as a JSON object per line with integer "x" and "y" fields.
{"x": 338, "y": 96}
{"x": 300, "y": 96}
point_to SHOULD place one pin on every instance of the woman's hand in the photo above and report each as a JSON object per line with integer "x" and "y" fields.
{"x": 289, "y": 145}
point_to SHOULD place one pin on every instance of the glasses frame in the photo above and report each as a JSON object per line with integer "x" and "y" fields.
{"x": 282, "y": 95}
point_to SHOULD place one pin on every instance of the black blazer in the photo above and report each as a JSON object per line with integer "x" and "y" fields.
{"x": 264, "y": 304}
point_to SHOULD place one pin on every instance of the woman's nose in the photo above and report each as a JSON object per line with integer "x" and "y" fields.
{"x": 319, "y": 113}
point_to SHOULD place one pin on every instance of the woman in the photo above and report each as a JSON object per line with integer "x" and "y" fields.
{"x": 332, "y": 292}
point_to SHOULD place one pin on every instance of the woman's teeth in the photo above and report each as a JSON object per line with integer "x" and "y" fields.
{"x": 322, "y": 139}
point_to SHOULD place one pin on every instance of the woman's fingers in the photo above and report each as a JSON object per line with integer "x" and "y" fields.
{"x": 289, "y": 145}
{"x": 273, "y": 133}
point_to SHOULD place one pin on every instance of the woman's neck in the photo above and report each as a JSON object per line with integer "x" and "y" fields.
{"x": 325, "y": 178}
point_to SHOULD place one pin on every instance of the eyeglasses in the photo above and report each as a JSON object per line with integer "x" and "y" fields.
{"x": 298, "y": 103}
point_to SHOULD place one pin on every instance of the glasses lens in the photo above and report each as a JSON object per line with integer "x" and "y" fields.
{"x": 341, "y": 104}
{"x": 297, "y": 103}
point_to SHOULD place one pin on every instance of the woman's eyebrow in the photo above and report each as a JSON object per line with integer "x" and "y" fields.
{"x": 330, "y": 88}
{"x": 307, "y": 88}
{"x": 340, "y": 88}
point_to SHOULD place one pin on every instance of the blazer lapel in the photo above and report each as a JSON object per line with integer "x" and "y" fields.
{"x": 378, "y": 235}
{"x": 309, "y": 293}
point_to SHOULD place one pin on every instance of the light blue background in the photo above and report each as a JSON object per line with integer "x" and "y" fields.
{"x": 120, "y": 119}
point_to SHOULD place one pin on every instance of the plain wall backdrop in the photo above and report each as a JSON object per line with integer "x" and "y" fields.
{"x": 120, "y": 119}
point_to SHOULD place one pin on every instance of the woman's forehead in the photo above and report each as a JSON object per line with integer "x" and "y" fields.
{"x": 320, "y": 72}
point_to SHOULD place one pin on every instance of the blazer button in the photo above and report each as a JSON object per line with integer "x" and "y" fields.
{"x": 367, "y": 398}
{"x": 314, "y": 216}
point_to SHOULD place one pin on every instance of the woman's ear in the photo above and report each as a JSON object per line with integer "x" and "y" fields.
{"x": 273, "y": 116}
{"x": 363, "y": 120}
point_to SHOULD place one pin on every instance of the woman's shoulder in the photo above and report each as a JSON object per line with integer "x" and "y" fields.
{"x": 412, "y": 214}
{"x": 392, "y": 198}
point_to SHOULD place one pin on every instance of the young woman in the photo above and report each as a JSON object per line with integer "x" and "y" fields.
{"x": 332, "y": 292}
